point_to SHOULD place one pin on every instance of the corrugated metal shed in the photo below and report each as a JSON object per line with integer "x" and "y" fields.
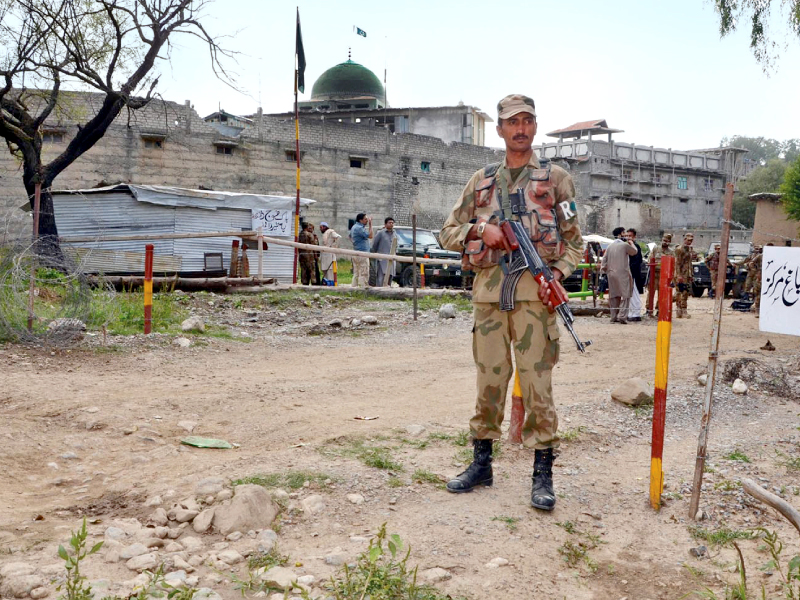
{"x": 130, "y": 209}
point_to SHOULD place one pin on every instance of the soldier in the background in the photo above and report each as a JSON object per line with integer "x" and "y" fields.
{"x": 713, "y": 261}
{"x": 751, "y": 271}
{"x": 659, "y": 252}
{"x": 683, "y": 275}
{"x": 306, "y": 256}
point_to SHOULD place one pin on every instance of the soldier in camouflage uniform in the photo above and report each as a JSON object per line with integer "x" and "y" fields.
{"x": 749, "y": 283}
{"x": 529, "y": 329}
{"x": 658, "y": 253}
{"x": 683, "y": 275}
{"x": 306, "y": 256}
{"x": 712, "y": 262}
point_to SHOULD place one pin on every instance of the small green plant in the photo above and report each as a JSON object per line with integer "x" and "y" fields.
{"x": 158, "y": 587}
{"x": 378, "y": 457}
{"x": 462, "y": 303}
{"x": 395, "y": 482}
{"x": 726, "y": 485}
{"x": 382, "y": 573}
{"x": 290, "y": 479}
{"x": 418, "y": 444}
{"x": 267, "y": 560}
{"x": 441, "y": 436}
{"x": 576, "y": 552}
{"x": 423, "y": 476}
{"x": 737, "y": 455}
{"x": 462, "y": 438}
{"x": 571, "y": 435}
{"x": 75, "y": 585}
{"x": 790, "y": 462}
{"x": 567, "y": 526}
{"x": 720, "y": 537}
{"x": 510, "y": 522}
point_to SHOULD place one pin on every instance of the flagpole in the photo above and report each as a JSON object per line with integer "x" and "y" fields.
{"x": 297, "y": 156}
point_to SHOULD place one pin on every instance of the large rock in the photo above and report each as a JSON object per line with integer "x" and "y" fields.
{"x": 435, "y": 575}
{"x": 313, "y": 504}
{"x": 739, "y": 387}
{"x": 209, "y": 486}
{"x": 143, "y": 562}
{"x": 19, "y": 586}
{"x": 250, "y": 508}
{"x": 447, "y": 311}
{"x": 278, "y": 577}
{"x": 133, "y": 551}
{"x": 202, "y": 522}
{"x": 633, "y": 392}
{"x": 194, "y": 324}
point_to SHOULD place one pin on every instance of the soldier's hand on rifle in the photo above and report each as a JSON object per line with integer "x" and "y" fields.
{"x": 547, "y": 294}
{"x": 493, "y": 237}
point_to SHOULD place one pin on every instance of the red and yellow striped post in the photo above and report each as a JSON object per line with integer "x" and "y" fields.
{"x": 517, "y": 412}
{"x": 148, "y": 288}
{"x": 335, "y": 271}
{"x": 663, "y": 333}
{"x": 651, "y": 285}
{"x": 422, "y": 272}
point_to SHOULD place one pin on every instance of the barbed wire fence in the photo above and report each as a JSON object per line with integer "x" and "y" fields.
{"x": 64, "y": 302}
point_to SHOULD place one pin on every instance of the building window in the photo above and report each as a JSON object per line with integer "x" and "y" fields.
{"x": 708, "y": 184}
{"x": 627, "y": 175}
{"x": 156, "y": 144}
{"x": 425, "y": 166}
{"x": 683, "y": 199}
{"x": 709, "y": 202}
{"x": 657, "y": 178}
{"x": 291, "y": 155}
{"x": 357, "y": 163}
{"x": 683, "y": 183}
{"x": 224, "y": 150}
{"x": 52, "y": 137}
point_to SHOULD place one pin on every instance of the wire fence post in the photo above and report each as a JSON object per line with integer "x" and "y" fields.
{"x": 148, "y": 288}
{"x": 702, "y": 441}
{"x": 663, "y": 335}
{"x": 260, "y": 254}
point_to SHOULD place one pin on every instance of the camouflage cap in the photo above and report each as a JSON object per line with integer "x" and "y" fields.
{"x": 667, "y": 237}
{"x": 515, "y": 104}
{"x": 688, "y": 236}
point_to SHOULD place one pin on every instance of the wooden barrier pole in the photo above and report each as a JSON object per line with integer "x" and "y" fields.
{"x": 148, "y": 288}
{"x": 37, "y": 198}
{"x": 663, "y": 334}
{"x": 260, "y": 253}
{"x": 652, "y": 283}
{"x": 705, "y": 421}
{"x": 414, "y": 263}
{"x": 517, "y": 412}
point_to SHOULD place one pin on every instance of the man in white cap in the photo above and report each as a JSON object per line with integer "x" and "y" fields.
{"x": 330, "y": 239}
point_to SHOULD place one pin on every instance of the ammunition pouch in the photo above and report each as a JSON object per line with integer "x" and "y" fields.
{"x": 478, "y": 255}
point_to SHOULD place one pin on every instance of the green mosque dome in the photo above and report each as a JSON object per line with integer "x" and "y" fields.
{"x": 347, "y": 80}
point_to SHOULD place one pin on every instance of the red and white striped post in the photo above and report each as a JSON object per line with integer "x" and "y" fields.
{"x": 663, "y": 334}
{"x": 148, "y": 288}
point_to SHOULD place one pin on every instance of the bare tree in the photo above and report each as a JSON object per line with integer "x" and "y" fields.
{"x": 106, "y": 46}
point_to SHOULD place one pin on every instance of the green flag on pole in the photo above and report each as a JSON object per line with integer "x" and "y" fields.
{"x": 361, "y": 32}
{"x": 301, "y": 57}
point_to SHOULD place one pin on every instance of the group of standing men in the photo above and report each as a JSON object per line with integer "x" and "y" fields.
{"x": 622, "y": 262}
{"x": 360, "y": 234}
{"x": 317, "y": 266}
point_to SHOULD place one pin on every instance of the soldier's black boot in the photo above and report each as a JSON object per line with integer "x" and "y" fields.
{"x": 478, "y": 473}
{"x": 542, "y": 495}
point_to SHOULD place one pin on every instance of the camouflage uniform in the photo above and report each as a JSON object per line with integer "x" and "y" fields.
{"x": 658, "y": 253}
{"x": 683, "y": 277}
{"x": 712, "y": 262}
{"x": 751, "y": 272}
{"x": 530, "y": 327}
{"x": 755, "y": 269}
{"x": 307, "y": 266}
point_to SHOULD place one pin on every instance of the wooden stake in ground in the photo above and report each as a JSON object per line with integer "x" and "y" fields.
{"x": 260, "y": 253}
{"x": 719, "y": 289}
{"x": 414, "y": 263}
{"x": 148, "y": 288}
{"x": 663, "y": 336}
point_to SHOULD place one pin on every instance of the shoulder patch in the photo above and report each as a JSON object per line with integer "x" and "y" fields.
{"x": 491, "y": 170}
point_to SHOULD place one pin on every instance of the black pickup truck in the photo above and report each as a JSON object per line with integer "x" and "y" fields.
{"x": 427, "y": 245}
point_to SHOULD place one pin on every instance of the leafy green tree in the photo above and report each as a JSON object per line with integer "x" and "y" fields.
{"x": 762, "y": 179}
{"x": 790, "y": 188}
{"x": 756, "y": 14}
{"x": 761, "y": 149}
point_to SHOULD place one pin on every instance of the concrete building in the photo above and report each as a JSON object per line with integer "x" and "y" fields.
{"x": 652, "y": 189}
{"x": 772, "y": 224}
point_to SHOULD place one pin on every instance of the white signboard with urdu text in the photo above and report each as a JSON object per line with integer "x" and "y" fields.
{"x": 276, "y": 222}
{"x": 780, "y": 290}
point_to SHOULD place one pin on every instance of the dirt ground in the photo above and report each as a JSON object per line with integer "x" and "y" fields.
{"x": 94, "y": 431}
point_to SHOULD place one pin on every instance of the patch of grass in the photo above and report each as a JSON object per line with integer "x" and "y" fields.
{"x": 643, "y": 411}
{"x": 567, "y": 526}
{"x": 395, "y": 482}
{"x": 125, "y": 315}
{"x": 461, "y": 438}
{"x": 510, "y": 522}
{"x": 461, "y": 303}
{"x": 441, "y": 436}
{"x": 726, "y": 485}
{"x": 289, "y": 479}
{"x": 423, "y": 476}
{"x": 709, "y": 469}
{"x": 672, "y": 496}
{"x": 571, "y": 435}
{"x": 737, "y": 455}
{"x": 267, "y": 560}
{"x": 790, "y": 462}
{"x": 720, "y": 537}
{"x": 575, "y": 553}
{"x": 418, "y": 444}
{"x": 378, "y": 457}
{"x": 382, "y": 573}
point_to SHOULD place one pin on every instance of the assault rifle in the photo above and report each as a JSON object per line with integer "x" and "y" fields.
{"x": 524, "y": 257}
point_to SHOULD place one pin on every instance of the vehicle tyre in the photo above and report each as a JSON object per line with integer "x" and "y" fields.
{"x": 373, "y": 273}
{"x": 697, "y": 290}
{"x": 406, "y": 278}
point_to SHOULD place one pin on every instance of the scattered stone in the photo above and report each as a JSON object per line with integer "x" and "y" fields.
{"x": 250, "y": 508}
{"x": 158, "y": 517}
{"x": 192, "y": 544}
{"x": 143, "y": 562}
{"x": 174, "y": 577}
{"x": 182, "y": 342}
{"x": 40, "y": 592}
{"x": 181, "y": 564}
{"x": 280, "y": 494}
{"x": 335, "y": 323}
{"x": 202, "y": 522}
{"x": 153, "y": 542}
{"x": 184, "y": 515}
{"x": 67, "y": 329}
{"x": 739, "y": 387}
{"x": 633, "y": 392}
{"x": 313, "y": 504}
{"x": 702, "y": 379}
{"x": 210, "y": 485}
{"x": 132, "y": 551}
{"x": 206, "y": 594}
{"x": 154, "y": 501}
{"x": 187, "y": 426}
{"x": 701, "y": 515}
{"x": 115, "y": 533}
{"x": 496, "y": 563}
{"x": 174, "y": 547}
{"x": 161, "y": 532}
{"x": 447, "y": 311}
{"x": 224, "y": 495}
{"x": 194, "y": 324}
{"x": 234, "y": 536}
{"x": 19, "y": 586}
{"x": 16, "y": 569}
{"x": 768, "y": 346}
{"x": 230, "y": 557}
{"x": 277, "y": 577}
{"x": 698, "y": 552}
{"x": 355, "y": 499}
{"x": 336, "y": 558}
{"x": 69, "y": 456}
{"x": 306, "y": 580}
{"x": 436, "y": 574}
{"x": 267, "y": 535}
{"x": 369, "y": 320}
{"x": 355, "y": 323}
{"x": 415, "y": 430}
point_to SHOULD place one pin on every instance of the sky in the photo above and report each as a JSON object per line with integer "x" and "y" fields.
{"x": 657, "y": 70}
